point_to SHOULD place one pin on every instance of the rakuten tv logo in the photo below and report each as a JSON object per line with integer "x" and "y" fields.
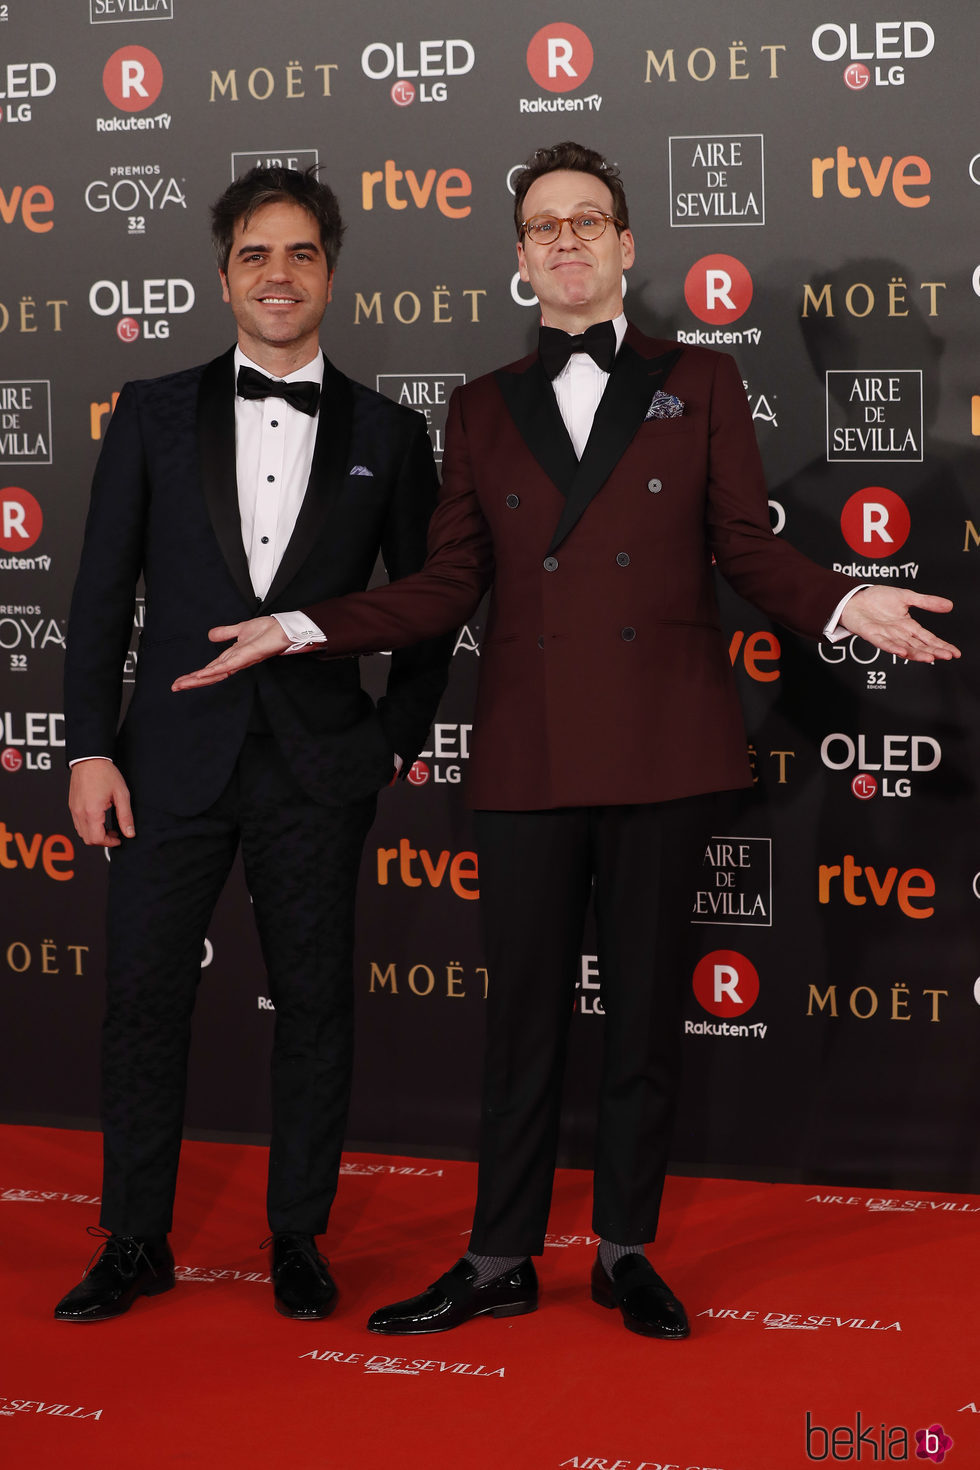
{"x": 21, "y": 519}
{"x": 132, "y": 78}
{"x": 875, "y": 522}
{"x": 726, "y": 983}
{"x": 718, "y": 289}
{"x": 560, "y": 57}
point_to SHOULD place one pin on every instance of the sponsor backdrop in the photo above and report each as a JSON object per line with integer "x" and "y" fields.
{"x": 805, "y": 186}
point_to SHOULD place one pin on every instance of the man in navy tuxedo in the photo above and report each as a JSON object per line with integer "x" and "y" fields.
{"x": 259, "y": 482}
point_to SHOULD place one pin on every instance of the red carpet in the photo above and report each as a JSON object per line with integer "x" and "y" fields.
{"x": 834, "y": 1302}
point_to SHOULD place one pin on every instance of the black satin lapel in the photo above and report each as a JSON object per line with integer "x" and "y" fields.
{"x": 327, "y": 475}
{"x": 622, "y": 409}
{"x": 219, "y": 480}
{"x": 531, "y": 401}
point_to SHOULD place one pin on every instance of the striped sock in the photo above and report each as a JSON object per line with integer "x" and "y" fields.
{"x": 609, "y": 1254}
{"x": 488, "y": 1267}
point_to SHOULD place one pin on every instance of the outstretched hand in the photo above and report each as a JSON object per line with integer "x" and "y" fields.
{"x": 880, "y": 615}
{"x": 255, "y": 640}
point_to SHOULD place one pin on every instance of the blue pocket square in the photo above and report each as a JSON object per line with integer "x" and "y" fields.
{"x": 664, "y": 406}
{"x": 362, "y": 469}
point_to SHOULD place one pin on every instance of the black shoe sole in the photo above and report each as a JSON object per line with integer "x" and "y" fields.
{"x": 513, "y": 1309}
{"x": 155, "y": 1289}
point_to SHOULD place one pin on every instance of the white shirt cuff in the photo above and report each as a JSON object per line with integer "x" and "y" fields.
{"x": 300, "y": 631}
{"x": 79, "y": 758}
{"x": 832, "y": 632}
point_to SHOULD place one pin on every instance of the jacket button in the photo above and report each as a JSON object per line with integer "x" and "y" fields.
{"x": 628, "y": 634}
{"x": 551, "y": 563}
{"x": 623, "y": 559}
{"x": 541, "y": 641}
{"x": 655, "y": 485}
{"x": 512, "y": 502}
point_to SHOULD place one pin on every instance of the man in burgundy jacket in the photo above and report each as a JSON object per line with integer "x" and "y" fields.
{"x": 591, "y": 484}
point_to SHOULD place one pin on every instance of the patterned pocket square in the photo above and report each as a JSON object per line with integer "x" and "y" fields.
{"x": 664, "y": 406}
{"x": 362, "y": 469}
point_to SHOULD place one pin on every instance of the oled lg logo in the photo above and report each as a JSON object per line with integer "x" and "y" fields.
{"x": 560, "y": 59}
{"x": 886, "y": 44}
{"x": 415, "y": 69}
{"x": 889, "y": 755}
{"x": 726, "y": 984}
{"x": 21, "y": 83}
{"x": 718, "y": 290}
{"x": 153, "y": 300}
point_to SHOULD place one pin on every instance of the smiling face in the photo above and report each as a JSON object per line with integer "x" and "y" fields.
{"x": 577, "y": 282}
{"x": 278, "y": 285}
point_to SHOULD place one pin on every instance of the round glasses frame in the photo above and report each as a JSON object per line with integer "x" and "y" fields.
{"x": 589, "y": 225}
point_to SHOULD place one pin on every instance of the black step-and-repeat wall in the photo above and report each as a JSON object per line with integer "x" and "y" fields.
{"x": 805, "y": 190}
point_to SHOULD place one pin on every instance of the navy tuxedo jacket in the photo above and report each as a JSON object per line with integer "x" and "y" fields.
{"x": 165, "y": 507}
{"x": 604, "y": 671}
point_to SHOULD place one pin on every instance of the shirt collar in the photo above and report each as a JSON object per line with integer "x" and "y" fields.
{"x": 310, "y": 372}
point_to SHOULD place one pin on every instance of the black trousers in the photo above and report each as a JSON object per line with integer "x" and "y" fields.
{"x": 301, "y": 863}
{"x": 537, "y": 872}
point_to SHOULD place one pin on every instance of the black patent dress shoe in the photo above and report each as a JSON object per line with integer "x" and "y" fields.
{"x": 646, "y": 1301}
{"x": 301, "y": 1281}
{"x": 123, "y": 1268}
{"x": 454, "y": 1299}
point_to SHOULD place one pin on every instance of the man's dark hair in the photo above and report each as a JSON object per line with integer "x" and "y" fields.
{"x": 582, "y": 160}
{"x": 261, "y": 186}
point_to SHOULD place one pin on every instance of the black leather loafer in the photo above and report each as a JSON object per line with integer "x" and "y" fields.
{"x": 646, "y": 1301}
{"x": 301, "y": 1282}
{"x": 454, "y": 1299}
{"x": 123, "y": 1268}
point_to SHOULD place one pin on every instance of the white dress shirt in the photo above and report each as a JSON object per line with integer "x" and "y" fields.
{"x": 274, "y": 445}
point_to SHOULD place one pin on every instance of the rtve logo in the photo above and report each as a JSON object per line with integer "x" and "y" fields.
{"x": 29, "y": 203}
{"x": 560, "y": 57}
{"x": 910, "y": 172}
{"x": 452, "y": 183}
{"x": 726, "y": 983}
{"x": 718, "y": 289}
{"x": 875, "y": 522}
{"x": 132, "y": 78}
{"x": 911, "y": 889}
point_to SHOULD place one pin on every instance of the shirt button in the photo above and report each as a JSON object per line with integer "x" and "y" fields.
{"x": 628, "y": 634}
{"x": 551, "y": 563}
{"x": 623, "y": 559}
{"x": 265, "y": 540}
{"x": 274, "y": 423}
{"x": 512, "y": 502}
{"x": 655, "y": 485}
{"x": 270, "y": 478}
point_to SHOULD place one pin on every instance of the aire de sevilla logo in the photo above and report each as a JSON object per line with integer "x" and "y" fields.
{"x": 718, "y": 289}
{"x": 875, "y": 522}
{"x": 560, "y": 57}
{"x": 132, "y": 78}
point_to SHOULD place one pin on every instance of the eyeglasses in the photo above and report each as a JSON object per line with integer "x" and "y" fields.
{"x": 544, "y": 229}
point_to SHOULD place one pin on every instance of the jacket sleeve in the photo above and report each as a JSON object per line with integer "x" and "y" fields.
{"x": 100, "y": 622}
{"x": 763, "y": 568}
{"x": 444, "y": 593}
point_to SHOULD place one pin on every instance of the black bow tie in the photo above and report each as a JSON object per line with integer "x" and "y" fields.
{"x": 556, "y": 347}
{"x": 304, "y": 395}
